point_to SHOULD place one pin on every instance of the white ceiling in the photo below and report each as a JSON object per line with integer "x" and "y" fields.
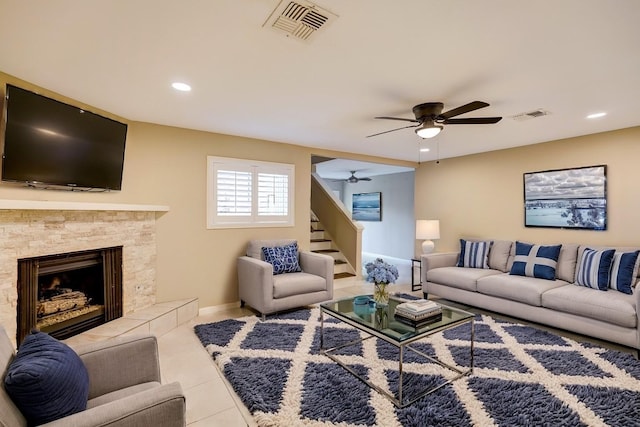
{"x": 340, "y": 169}
{"x": 570, "y": 57}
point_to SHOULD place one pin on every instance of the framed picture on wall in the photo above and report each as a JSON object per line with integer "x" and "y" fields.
{"x": 566, "y": 198}
{"x": 367, "y": 207}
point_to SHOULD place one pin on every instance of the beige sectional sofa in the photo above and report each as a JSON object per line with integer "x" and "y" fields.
{"x": 609, "y": 315}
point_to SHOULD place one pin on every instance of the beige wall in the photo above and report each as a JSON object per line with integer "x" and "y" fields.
{"x": 482, "y": 195}
{"x": 167, "y": 166}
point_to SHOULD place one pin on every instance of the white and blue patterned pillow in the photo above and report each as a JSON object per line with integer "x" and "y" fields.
{"x": 594, "y": 267}
{"x": 624, "y": 270}
{"x": 284, "y": 259}
{"x": 474, "y": 254}
{"x": 535, "y": 261}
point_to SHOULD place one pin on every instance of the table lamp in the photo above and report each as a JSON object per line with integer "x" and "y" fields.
{"x": 427, "y": 229}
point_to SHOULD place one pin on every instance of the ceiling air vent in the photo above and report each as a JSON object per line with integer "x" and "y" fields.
{"x": 299, "y": 19}
{"x": 530, "y": 115}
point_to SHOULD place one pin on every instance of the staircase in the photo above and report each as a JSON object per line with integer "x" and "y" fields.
{"x": 321, "y": 243}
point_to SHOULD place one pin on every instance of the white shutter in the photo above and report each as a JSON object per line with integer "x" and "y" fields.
{"x": 233, "y": 193}
{"x": 244, "y": 193}
{"x": 273, "y": 194}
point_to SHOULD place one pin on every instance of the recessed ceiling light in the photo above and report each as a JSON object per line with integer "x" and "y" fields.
{"x": 424, "y": 150}
{"x": 183, "y": 87}
{"x": 596, "y": 115}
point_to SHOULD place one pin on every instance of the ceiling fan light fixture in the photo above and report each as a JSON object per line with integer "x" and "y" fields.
{"x": 428, "y": 129}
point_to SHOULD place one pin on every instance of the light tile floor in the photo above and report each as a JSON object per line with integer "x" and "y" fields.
{"x": 210, "y": 401}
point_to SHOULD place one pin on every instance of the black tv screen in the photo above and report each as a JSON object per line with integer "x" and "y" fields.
{"x": 48, "y": 142}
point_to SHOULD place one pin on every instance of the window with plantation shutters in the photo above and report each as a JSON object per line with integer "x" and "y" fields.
{"x": 248, "y": 193}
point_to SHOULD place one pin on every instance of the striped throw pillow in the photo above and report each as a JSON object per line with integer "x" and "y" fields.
{"x": 535, "y": 261}
{"x": 624, "y": 270}
{"x": 474, "y": 254}
{"x": 593, "y": 268}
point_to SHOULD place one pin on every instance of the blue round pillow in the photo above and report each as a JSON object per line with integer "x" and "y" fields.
{"x": 47, "y": 379}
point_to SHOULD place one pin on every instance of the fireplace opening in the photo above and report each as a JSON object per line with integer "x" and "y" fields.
{"x": 66, "y": 294}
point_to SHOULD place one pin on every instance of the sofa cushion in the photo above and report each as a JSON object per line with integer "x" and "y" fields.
{"x": 567, "y": 260}
{"x": 474, "y": 254}
{"x": 535, "y": 261}
{"x": 284, "y": 259}
{"x": 613, "y": 307}
{"x": 527, "y": 290}
{"x": 47, "y": 380}
{"x": 499, "y": 255}
{"x": 593, "y": 269}
{"x": 285, "y": 285}
{"x": 459, "y": 277}
{"x": 624, "y": 269}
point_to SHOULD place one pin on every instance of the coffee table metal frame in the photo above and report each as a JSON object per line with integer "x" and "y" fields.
{"x": 399, "y": 401}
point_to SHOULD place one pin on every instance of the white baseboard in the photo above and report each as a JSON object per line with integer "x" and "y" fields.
{"x": 217, "y": 308}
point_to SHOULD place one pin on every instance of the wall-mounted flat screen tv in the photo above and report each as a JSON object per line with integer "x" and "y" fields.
{"x": 50, "y": 143}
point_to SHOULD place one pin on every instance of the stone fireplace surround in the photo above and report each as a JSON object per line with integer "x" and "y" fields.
{"x": 33, "y": 228}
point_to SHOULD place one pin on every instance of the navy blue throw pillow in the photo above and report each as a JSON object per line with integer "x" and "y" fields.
{"x": 47, "y": 380}
{"x": 624, "y": 269}
{"x": 593, "y": 269}
{"x": 474, "y": 254}
{"x": 283, "y": 258}
{"x": 535, "y": 261}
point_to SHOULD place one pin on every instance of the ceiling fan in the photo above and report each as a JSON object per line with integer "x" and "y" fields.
{"x": 430, "y": 118}
{"x": 353, "y": 179}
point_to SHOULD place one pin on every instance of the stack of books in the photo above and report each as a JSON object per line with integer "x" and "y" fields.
{"x": 418, "y": 313}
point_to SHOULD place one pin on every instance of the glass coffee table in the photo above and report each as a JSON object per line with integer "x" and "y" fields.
{"x": 379, "y": 323}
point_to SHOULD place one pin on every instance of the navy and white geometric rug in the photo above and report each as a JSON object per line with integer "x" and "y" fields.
{"x": 522, "y": 376}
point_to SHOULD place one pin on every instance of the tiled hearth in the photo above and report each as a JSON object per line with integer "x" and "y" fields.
{"x": 30, "y": 229}
{"x": 157, "y": 319}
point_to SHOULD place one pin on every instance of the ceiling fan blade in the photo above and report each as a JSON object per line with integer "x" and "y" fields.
{"x": 473, "y": 121}
{"x": 364, "y": 179}
{"x": 475, "y": 105}
{"x": 393, "y": 130}
{"x": 398, "y": 118}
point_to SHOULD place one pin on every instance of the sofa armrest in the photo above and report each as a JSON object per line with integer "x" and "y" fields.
{"x": 120, "y": 362}
{"x": 162, "y": 406}
{"x": 255, "y": 281}
{"x": 436, "y": 260}
{"x": 318, "y": 264}
{"x": 636, "y": 291}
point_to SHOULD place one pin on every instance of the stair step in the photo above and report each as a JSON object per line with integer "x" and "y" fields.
{"x": 339, "y": 261}
{"x": 326, "y": 251}
{"x": 342, "y": 275}
{"x": 320, "y": 240}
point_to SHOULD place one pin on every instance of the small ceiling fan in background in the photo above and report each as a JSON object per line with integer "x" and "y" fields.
{"x": 430, "y": 118}
{"x": 353, "y": 179}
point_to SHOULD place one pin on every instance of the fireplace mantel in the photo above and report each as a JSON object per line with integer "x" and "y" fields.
{"x": 50, "y": 205}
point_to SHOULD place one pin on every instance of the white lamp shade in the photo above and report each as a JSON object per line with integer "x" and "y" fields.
{"x": 427, "y": 229}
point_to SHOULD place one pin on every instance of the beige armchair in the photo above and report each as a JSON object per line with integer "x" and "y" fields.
{"x": 269, "y": 293}
{"x": 124, "y": 387}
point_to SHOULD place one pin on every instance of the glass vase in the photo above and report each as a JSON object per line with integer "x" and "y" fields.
{"x": 381, "y": 294}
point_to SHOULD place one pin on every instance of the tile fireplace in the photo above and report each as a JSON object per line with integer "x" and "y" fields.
{"x": 34, "y": 229}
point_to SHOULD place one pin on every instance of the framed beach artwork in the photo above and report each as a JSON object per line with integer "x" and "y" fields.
{"x": 566, "y": 198}
{"x": 367, "y": 207}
